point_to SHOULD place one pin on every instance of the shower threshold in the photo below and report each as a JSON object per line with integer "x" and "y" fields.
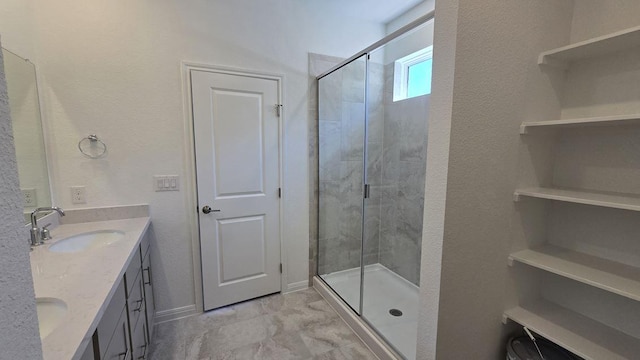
{"x": 390, "y": 306}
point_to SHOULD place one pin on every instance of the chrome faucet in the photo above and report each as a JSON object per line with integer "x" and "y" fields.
{"x": 37, "y": 233}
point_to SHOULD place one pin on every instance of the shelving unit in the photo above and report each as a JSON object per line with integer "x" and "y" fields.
{"x": 609, "y": 200}
{"x": 576, "y": 333}
{"x": 603, "y": 274}
{"x": 616, "y": 120}
{"x": 602, "y": 45}
{"x": 568, "y": 328}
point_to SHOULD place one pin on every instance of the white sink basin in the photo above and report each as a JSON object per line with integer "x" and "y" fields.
{"x": 51, "y": 313}
{"x": 86, "y": 241}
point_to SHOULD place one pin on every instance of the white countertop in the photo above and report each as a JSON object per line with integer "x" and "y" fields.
{"x": 86, "y": 281}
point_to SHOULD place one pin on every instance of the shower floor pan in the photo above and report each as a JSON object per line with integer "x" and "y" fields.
{"x": 385, "y": 292}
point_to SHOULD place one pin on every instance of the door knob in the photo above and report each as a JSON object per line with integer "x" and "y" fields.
{"x": 207, "y": 209}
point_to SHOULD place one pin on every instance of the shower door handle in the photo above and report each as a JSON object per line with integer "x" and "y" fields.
{"x": 366, "y": 191}
{"x": 207, "y": 209}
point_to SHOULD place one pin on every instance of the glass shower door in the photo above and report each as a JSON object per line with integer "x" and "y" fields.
{"x": 341, "y": 159}
{"x": 397, "y": 120}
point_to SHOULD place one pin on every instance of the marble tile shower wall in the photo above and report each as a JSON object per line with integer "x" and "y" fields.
{"x": 396, "y": 161}
{"x": 401, "y": 190}
{"x": 341, "y": 130}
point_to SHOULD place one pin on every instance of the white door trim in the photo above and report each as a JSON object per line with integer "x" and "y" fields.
{"x": 190, "y": 167}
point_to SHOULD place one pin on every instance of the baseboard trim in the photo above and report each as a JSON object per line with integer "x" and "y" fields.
{"x": 372, "y": 340}
{"x": 175, "y": 314}
{"x": 296, "y": 286}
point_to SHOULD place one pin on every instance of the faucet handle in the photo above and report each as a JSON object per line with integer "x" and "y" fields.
{"x": 45, "y": 234}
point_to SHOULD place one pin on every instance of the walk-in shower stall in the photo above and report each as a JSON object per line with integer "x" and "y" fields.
{"x": 372, "y": 147}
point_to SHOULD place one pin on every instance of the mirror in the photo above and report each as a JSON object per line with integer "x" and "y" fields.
{"x": 24, "y": 104}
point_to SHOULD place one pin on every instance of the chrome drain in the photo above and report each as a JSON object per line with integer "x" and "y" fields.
{"x": 395, "y": 312}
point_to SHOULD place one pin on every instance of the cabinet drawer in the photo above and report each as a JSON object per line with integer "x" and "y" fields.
{"x": 109, "y": 322}
{"x": 140, "y": 341}
{"x": 136, "y": 301}
{"x": 118, "y": 348}
{"x": 132, "y": 271}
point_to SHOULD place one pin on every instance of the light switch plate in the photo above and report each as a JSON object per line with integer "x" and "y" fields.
{"x": 166, "y": 183}
{"x": 30, "y": 197}
{"x": 78, "y": 195}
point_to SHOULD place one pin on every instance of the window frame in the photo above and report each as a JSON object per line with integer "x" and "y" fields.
{"x": 401, "y": 71}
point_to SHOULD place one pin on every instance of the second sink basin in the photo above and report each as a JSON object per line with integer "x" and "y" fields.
{"x": 51, "y": 312}
{"x": 86, "y": 241}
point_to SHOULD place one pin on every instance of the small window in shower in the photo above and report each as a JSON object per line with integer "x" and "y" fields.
{"x": 412, "y": 74}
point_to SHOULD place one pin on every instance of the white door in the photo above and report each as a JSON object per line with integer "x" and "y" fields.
{"x": 235, "y": 119}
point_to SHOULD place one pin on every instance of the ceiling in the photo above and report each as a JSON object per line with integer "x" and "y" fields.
{"x": 381, "y": 11}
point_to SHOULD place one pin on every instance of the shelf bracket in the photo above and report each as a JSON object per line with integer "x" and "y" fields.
{"x": 516, "y": 197}
{"x": 510, "y": 260}
{"x": 546, "y": 60}
{"x": 505, "y": 319}
{"x": 524, "y": 129}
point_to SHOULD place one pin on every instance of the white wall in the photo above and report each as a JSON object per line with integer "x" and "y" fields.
{"x": 19, "y": 337}
{"x": 113, "y": 68}
{"x": 17, "y": 27}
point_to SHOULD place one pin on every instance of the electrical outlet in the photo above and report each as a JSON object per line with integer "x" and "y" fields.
{"x": 30, "y": 197}
{"x": 78, "y": 195}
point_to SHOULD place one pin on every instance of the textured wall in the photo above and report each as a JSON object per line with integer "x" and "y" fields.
{"x": 486, "y": 82}
{"x": 19, "y": 337}
{"x": 593, "y": 18}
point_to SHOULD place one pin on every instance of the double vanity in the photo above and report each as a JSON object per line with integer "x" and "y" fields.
{"x": 92, "y": 274}
{"x": 93, "y": 286}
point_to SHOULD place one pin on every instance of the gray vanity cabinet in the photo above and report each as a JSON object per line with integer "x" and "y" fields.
{"x": 147, "y": 278}
{"x": 88, "y": 353}
{"x": 111, "y": 337}
{"x": 136, "y": 305}
{"x": 140, "y": 341}
{"x": 125, "y": 330}
{"x": 119, "y": 346}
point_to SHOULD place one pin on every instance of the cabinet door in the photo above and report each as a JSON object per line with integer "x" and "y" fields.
{"x": 88, "y": 352}
{"x": 136, "y": 302}
{"x": 108, "y": 326}
{"x": 140, "y": 341}
{"x": 118, "y": 348}
{"x": 148, "y": 293}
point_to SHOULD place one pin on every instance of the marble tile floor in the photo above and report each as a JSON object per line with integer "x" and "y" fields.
{"x": 298, "y": 325}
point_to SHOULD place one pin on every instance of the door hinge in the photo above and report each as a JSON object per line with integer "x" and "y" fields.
{"x": 278, "y": 109}
{"x": 279, "y": 192}
{"x": 280, "y": 268}
{"x": 366, "y": 191}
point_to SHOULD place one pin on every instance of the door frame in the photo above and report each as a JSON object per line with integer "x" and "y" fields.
{"x": 189, "y": 184}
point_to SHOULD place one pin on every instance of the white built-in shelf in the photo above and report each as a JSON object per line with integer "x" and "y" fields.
{"x": 591, "y": 121}
{"x": 604, "y": 199}
{"x": 602, "y": 45}
{"x": 604, "y": 274}
{"x": 577, "y": 333}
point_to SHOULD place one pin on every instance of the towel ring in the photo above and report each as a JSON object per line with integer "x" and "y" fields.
{"x": 93, "y": 143}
